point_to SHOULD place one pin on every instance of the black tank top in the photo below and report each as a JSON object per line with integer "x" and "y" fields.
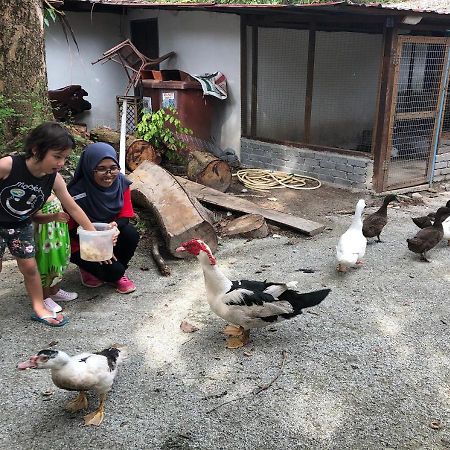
{"x": 22, "y": 194}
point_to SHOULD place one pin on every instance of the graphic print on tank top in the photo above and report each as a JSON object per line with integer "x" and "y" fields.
{"x": 21, "y": 200}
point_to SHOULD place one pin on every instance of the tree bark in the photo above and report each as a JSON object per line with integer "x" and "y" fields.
{"x": 23, "y": 71}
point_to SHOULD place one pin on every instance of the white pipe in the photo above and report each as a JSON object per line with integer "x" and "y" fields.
{"x": 123, "y": 136}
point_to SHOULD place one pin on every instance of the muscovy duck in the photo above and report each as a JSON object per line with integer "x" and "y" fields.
{"x": 83, "y": 372}
{"x": 248, "y": 304}
{"x": 352, "y": 244}
{"x": 374, "y": 223}
{"x": 429, "y": 237}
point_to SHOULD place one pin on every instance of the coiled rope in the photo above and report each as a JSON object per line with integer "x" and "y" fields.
{"x": 263, "y": 180}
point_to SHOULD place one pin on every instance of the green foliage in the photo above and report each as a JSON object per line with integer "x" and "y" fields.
{"x": 22, "y": 122}
{"x": 159, "y": 128}
{"x": 7, "y": 112}
{"x": 49, "y": 14}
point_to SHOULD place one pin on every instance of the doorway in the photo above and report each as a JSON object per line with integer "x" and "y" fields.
{"x": 418, "y": 91}
{"x": 144, "y": 35}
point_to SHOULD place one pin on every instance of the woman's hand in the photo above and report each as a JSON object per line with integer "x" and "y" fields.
{"x": 111, "y": 226}
{"x": 109, "y": 261}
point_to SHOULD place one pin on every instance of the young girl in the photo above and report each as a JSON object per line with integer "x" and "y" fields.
{"x": 52, "y": 240}
{"x": 26, "y": 182}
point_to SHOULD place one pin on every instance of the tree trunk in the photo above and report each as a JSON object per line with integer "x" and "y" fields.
{"x": 23, "y": 75}
{"x": 207, "y": 169}
{"x": 139, "y": 151}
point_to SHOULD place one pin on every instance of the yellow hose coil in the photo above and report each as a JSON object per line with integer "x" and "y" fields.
{"x": 263, "y": 180}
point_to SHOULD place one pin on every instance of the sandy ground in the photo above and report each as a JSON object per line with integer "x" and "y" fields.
{"x": 366, "y": 369}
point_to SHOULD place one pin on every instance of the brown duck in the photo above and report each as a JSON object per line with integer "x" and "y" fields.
{"x": 429, "y": 237}
{"x": 374, "y": 223}
{"x": 427, "y": 221}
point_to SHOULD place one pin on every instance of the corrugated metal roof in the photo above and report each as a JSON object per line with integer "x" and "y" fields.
{"x": 418, "y": 6}
{"x": 437, "y": 6}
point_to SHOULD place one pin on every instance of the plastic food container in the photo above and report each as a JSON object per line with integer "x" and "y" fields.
{"x": 97, "y": 245}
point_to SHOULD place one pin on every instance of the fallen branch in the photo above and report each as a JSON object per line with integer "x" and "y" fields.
{"x": 259, "y": 389}
{"x": 267, "y": 386}
{"x": 163, "y": 268}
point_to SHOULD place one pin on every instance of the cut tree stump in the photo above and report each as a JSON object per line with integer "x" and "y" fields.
{"x": 180, "y": 217}
{"x": 207, "y": 169}
{"x": 139, "y": 151}
{"x": 251, "y": 226}
{"x": 227, "y": 201}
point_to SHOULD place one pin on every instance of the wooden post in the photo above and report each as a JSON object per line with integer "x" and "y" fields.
{"x": 254, "y": 99}
{"x": 384, "y": 118}
{"x": 309, "y": 83}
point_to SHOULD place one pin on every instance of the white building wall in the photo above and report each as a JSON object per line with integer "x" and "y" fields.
{"x": 205, "y": 42}
{"x": 65, "y": 65}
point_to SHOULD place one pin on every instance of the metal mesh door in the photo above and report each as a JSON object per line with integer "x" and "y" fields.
{"x": 418, "y": 90}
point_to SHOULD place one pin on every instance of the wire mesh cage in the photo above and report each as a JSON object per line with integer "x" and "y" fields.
{"x": 332, "y": 106}
{"x": 134, "y": 108}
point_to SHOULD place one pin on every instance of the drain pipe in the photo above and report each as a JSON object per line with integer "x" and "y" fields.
{"x": 438, "y": 128}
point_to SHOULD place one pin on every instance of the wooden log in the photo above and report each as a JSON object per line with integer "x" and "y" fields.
{"x": 112, "y": 137}
{"x": 214, "y": 197}
{"x": 139, "y": 151}
{"x": 251, "y": 226}
{"x": 177, "y": 215}
{"x": 207, "y": 169}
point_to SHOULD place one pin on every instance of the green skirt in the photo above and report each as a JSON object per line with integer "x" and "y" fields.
{"x": 52, "y": 246}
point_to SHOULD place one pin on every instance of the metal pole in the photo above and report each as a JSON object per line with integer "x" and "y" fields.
{"x": 439, "y": 119}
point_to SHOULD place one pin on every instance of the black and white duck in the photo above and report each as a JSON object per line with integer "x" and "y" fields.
{"x": 248, "y": 304}
{"x": 427, "y": 221}
{"x": 429, "y": 237}
{"x": 374, "y": 223}
{"x": 83, "y": 372}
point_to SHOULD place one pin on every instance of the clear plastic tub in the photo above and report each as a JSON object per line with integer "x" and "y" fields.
{"x": 97, "y": 245}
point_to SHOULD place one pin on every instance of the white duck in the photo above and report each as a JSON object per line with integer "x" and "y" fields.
{"x": 352, "y": 244}
{"x": 83, "y": 372}
{"x": 248, "y": 304}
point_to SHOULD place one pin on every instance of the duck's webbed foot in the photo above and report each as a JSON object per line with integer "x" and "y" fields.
{"x": 96, "y": 417}
{"x": 423, "y": 257}
{"x": 240, "y": 340}
{"x": 360, "y": 262}
{"x": 341, "y": 268}
{"x": 231, "y": 330}
{"x": 78, "y": 403}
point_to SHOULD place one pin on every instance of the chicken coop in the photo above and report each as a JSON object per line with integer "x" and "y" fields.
{"x": 358, "y": 100}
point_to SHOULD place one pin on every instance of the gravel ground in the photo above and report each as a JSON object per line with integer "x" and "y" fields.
{"x": 366, "y": 369}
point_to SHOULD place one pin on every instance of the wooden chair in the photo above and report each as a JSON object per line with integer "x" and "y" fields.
{"x": 132, "y": 60}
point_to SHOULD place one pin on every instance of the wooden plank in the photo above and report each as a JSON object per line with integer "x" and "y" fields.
{"x": 213, "y": 197}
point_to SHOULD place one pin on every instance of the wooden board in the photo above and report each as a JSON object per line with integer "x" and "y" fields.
{"x": 177, "y": 214}
{"x": 211, "y": 196}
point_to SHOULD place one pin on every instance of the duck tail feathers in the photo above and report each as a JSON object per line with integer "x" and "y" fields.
{"x": 304, "y": 300}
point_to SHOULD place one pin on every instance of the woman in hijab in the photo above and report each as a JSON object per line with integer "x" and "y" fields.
{"x": 103, "y": 193}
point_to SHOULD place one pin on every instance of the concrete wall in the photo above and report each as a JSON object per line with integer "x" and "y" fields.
{"x": 342, "y": 170}
{"x": 66, "y": 66}
{"x": 205, "y": 42}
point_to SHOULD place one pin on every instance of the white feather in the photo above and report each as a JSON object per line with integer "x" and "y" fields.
{"x": 352, "y": 244}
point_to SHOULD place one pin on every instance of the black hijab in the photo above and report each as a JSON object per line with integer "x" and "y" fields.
{"x": 100, "y": 204}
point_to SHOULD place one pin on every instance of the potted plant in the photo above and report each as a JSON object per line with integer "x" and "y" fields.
{"x": 160, "y": 129}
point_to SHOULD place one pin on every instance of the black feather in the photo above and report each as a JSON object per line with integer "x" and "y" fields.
{"x": 300, "y": 301}
{"x": 49, "y": 353}
{"x": 111, "y": 355}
